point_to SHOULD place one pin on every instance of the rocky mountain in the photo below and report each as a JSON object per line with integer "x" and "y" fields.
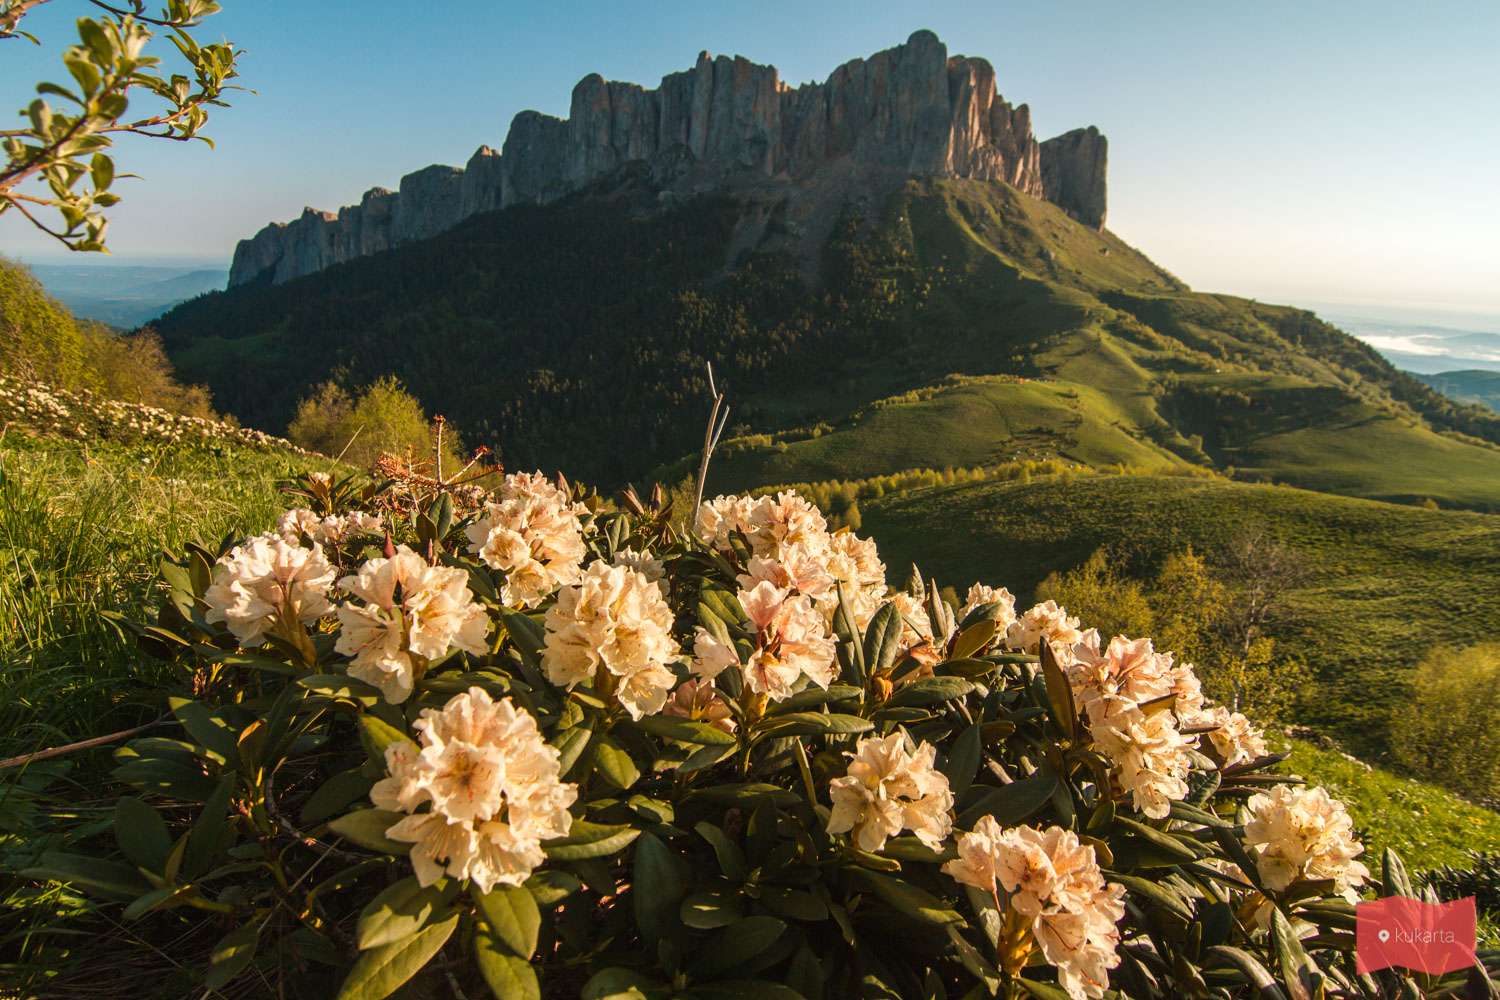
{"x": 726, "y": 123}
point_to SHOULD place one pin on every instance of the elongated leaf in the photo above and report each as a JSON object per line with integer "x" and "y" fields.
{"x": 511, "y": 914}
{"x": 930, "y": 690}
{"x": 1043, "y": 991}
{"x": 741, "y": 940}
{"x": 526, "y": 633}
{"x": 401, "y": 910}
{"x": 335, "y": 795}
{"x": 589, "y": 840}
{"x": 906, "y": 898}
{"x": 613, "y": 764}
{"x": 571, "y": 743}
{"x": 972, "y": 640}
{"x": 851, "y": 650}
{"x": 883, "y": 639}
{"x": 731, "y": 858}
{"x": 552, "y": 887}
{"x": 1299, "y": 973}
{"x": 1249, "y": 967}
{"x": 230, "y": 956}
{"x": 177, "y": 779}
{"x": 1393, "y": 878}
{"x": 622, "y": 983}
{"x": 1192, "y": 814}
{"x": 97, "y": 876}
{"x": 707, "y": 910}
{"x": 1059, "y": 693}
{"x": 658, "y": 888}
{"x": 341, "y": 688}
{"x": 814, "y": 724}
{"x": 685, "y": 730}
{"x": 207, "y": 727}
{"x": 377, "y": 734}
{"x": 203, "y": 838}
{"x": 723, "y": 604}
{"x": 744, "y": 795}
{"x": 142, "y": 835}
{"x": 508, "y": 976}
{"x": 1156, "y": 892}
{"x": 380, "y": 971}
{"x": 366, "y": 827}
{"x": 1011, "y": 803}
{"x": 815, "y": 696}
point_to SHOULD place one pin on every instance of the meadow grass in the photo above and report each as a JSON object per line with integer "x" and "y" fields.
{"x": 1387, "y": 582}
{"x": 81, "y": 533}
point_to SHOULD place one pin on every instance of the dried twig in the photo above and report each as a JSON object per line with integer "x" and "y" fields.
{"x": 716, "y": 423}
{"x": 28, "y": 758}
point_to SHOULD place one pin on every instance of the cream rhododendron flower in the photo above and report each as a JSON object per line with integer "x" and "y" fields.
{"x": 1128, "y": 673}
{"x": 1189, "y": 691}
{"x": 981, "y": 594}
{"x": 334, "y": 529}
{"x": 768, "y": 524}
{"x": 1052, "y": 881}
{"x": 700, "y": 701}
{"x": 792, "y": 643}
{"x": 493, "y": 790}
{"x": 1149, "y": 755}
{"x": 854, "y": 562}
{"x": 533, "y": 535}
{"x": 887, "y": 790}
{"x": 1236, "y": 738}
{"x": 411, "y": 609}
{"x": 645, "y": 564}
{"x": 615, "y": 629}
{"x": 795, "y": 569}
{"x": 1297, "y": 834}
{"x": 265, "y": 580}
{"x": 1044, "y": 621}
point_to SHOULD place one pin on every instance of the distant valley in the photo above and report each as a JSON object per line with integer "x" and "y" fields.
{"x": 126, "y": 296}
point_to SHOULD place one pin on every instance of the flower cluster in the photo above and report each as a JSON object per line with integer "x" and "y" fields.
{"x": 86, "y": 416}
{"x": 887, "y": 790}
{"x": 1054, "y": 893}
{"x": 333, "y": 530}
{"x": 412, "y": 613}
{"x": 492, "y": 786}
{"x": 613, "y": 628}
{"x": 269, "y": 582}
{"x": 532, "y": 533}
{"x": 1296, "y": 834}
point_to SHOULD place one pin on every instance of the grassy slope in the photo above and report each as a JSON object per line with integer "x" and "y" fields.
{"x": 1468, "y": 386}
{"x": 1387, "y": 581}
{"x": 80, "y": 534}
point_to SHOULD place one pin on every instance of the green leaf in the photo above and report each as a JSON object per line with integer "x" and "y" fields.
{"x": 731, "y": 858}
{"x": 813, "y": 724}
{"x": 1393, "y": 878}
{"x": 377, "y": 734}
{"x": 342, "y": 688}
{"x": 380, "y": 971}
{"x": 613, "y": 764}
{"x": 571, "y": 743}
{"x": 401, "y": 910}
{"x": 203, "y": 839}
{"x": 142, "y": 835}
{"x": 207, "y": 728}
{"x": 793, "y": 904}
{"x": 972, "y": 640}
{"x": 744, "y": 794}
{"x": 1011, "y": 803}
{"x": 511, "y": 914}
{"x": 1192, "y": 814}
{"x": 622, "y": 984}
{"x": 1157, "y": 892}
{"x": 850, "y": 647}
{"x": 883, "y": 639}
{"x": 805, "y": 975}
{"x": 930, "y": 690}
{"x": 108, "y": 879}
{"x": 722, "y": 604}
{"x": 178, "y": 779}
{"x": 552, "y": 887}
{"x": 906, "y": 898}
{"x": 736, "y": 943}
{"x": 708, "y": 910}
{"x": 684, "y": 730}
{"x": 230, "y": 956}
{"x": 1059, "y": 694}
{"x": 508, "y": 976}
{"x": 1300, "y": 974}
{"x": 528, "y": 635}
{"x": 1043, "y": 991}
{"x": 815, "y": 696}
{"x": 157, "y": 899}
{"x": 366, "y": 827}
{"x": 658, "y": 887}
{"x": 590, "y": 840}
{"x": 335, "y": 795}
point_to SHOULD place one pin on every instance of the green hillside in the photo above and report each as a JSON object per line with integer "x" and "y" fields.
{"x": 1472, "y": 385}
{"x": 1387, "y": 581}
{"x": 961, "y": 324}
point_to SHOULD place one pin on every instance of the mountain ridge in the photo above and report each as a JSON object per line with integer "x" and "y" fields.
{"x": 911, "y": 110}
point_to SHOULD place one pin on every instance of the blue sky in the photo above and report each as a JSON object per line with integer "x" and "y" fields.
{"x": 1291, "y": 151}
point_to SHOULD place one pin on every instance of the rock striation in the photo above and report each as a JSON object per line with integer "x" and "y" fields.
{"x": 910, "y": 110}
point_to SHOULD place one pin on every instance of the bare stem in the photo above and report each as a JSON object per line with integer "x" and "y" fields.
{"x": 711, "y": 437}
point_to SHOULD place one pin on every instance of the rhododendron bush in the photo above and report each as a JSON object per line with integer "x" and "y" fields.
{"x": 540, "y": 745}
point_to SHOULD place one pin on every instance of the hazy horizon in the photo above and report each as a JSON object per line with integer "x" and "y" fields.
{"x": 1281, "y": 153}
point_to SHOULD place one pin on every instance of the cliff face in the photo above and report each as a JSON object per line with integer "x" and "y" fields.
{"x": 910, "y": 110}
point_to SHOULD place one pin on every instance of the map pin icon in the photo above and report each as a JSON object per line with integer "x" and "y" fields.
{"x": 1384, "y": 936}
